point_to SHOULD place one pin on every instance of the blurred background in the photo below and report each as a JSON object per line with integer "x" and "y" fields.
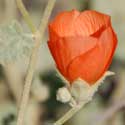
{"x": 43, "y": 109}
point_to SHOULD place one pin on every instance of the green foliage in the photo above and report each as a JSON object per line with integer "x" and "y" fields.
{"x": 14, "y": 43}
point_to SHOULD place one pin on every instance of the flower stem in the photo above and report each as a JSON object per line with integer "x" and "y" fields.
{"x": 46, "y": 16}
{"x": 26, "y": 15}
{"x": 27, "y": 84}
{"x": 31, "y": 67}
{"x": 69, "y": 114}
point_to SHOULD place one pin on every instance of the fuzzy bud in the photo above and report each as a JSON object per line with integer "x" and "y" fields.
{"x": 63, "y": 95}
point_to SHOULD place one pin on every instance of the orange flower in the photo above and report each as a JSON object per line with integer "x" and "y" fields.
{"x": 82, "y": 44}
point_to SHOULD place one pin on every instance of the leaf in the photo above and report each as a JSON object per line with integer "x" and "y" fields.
{"x": 14, "y": 43}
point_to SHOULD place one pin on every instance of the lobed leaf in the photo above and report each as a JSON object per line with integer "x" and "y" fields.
{"x": 14, "y": 43}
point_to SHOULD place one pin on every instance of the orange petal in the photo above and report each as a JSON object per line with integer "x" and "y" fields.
{"x": 91, "y": 65}
{"x": 62, "y": 25}
{"x": 109, "y": 41}
{"x": 90, "y": 22}
{"x": 66, "y": 49}
{"x": 74, "y": 23}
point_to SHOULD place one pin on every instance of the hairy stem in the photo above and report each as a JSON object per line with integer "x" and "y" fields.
{"x": 46, "y": 16}
{"x": 69, "y": 114}
{"x": 26, "y": 15}
{"x": 31, "y": 67}
{"x": 27, "y": 85}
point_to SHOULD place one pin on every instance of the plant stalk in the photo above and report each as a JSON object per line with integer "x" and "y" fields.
{"x": 26, "y": 16}
{"x": 69, "y": 114}
{"x": 38, "y": 36}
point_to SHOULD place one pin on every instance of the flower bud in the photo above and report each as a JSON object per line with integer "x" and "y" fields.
{"x": 63, "y": 95}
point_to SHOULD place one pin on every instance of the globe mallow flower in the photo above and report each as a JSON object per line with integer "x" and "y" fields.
{"x": 82, "y": 44}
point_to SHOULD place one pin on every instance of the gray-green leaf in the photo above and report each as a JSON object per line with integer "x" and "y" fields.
{"x": 14, "y": 44}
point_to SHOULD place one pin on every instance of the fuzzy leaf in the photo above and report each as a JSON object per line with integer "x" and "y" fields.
{"x": 14, "y": 44}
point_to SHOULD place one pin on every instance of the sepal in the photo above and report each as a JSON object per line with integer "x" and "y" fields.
{"x": 81, "y": 91}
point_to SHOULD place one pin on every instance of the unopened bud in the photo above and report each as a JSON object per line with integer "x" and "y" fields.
{"x": 63, "y": 95}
